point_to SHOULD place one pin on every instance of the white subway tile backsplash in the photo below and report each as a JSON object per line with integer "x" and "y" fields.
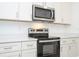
{"x": 19, "y": 30}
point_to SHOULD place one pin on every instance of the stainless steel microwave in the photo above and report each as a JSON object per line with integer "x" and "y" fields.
{"x": 40, "y": 13}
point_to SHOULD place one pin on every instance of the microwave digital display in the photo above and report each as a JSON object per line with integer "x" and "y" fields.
{"x": 42, "y": 13}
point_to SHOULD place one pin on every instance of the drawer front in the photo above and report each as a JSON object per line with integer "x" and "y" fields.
{"x": 66, "y": 41}
{"x": 12, "y": 54}
{"x": 9, "y": 47}
{"x": 29, "y": 53}
{"x": 29, "y": 45}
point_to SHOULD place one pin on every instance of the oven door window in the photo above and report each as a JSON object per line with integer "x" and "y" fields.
{"x": 49, "y": 48}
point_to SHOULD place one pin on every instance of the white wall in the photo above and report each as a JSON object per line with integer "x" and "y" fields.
{"x": 13, "y": 31}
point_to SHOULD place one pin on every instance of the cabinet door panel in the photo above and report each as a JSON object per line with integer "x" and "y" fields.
{"x": 57, "y": 7}
{"x": 66, "y": 12}
{"x": 8, "y": 10}
{"x": 9, "y": 47}
{"x": 29, "y": 45}
{"x": 69, "y": 47}
{"x": 64, "y": 52}
{"x": 12, "y": 54}
{"x": 29, "y": 53}
{"x": 76, "y": 46}
{"x": 25, "y": 11}
{"x": 72, "y": 50}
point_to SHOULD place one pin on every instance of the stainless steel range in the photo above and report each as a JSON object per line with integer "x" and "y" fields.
{"x": 46, "y": 47}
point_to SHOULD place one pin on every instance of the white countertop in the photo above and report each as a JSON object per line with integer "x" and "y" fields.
{"x": 17, "y": 40}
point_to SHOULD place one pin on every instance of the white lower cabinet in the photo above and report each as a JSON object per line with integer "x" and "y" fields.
{"x": 69, "y": 48}
{"x": 72, "y": 50}
{"x": 12, "y": 54}
{"x": 10, "y": 47}
{"x": 29, "y": 45}
{"x": 64, "y": 51}
{"x": 29, "y": 49}
{"x": 77, "y": 45}
{"x": 19, "y": 49}
{"x": 29, "y": 53}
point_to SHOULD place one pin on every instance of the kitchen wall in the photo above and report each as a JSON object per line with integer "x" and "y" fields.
{"x": 15, "y": 31}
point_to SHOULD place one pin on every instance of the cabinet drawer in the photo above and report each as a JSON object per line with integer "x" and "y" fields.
{"x": 11, "y": 54}
{"x": 9, "y": 47}
{"x": 66, "y": 41}
{"x": 29, "y": 45}
{"x": 29, "y": 53}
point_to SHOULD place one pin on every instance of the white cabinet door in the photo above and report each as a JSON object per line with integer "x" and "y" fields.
{"x": 8, "y": 11}
{"x": 29, "y": 53}
{"x": 66, "y": 12}
{"x": 69, "y": 47}
{"x": 12, "y": 54}
{"x": 64, "y": 51}
{"x": 77, "y": 46}
{"x": 25, "y": 11}
{"x": 10, "y": 47}
{"x": 63, "y": 11}
{"x": 29, "y": 45}
{"x": 57, "y": 7}
{"x": 72, "y": 50}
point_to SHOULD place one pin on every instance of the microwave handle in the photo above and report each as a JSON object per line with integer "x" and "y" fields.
{"x": 53, "y": 14}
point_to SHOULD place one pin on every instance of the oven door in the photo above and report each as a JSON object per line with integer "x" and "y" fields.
{"x": 48, "y": 48}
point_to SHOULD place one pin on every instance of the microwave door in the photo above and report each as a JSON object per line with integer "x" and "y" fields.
{"x": 42, "y": 14}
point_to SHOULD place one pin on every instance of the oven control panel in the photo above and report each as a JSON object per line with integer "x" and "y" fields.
{"x": 31, "y": 30}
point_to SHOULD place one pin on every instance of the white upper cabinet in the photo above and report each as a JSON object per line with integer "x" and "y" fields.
{"x": 8, "y": 11}
{"x": 57, "y": 7}
{"x": 25, "y": 11}
{"x": 63, "y": 11}
{"x": 66, "y": 12}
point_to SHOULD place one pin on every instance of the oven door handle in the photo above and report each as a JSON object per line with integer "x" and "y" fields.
{"x": 43, "y": 41}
